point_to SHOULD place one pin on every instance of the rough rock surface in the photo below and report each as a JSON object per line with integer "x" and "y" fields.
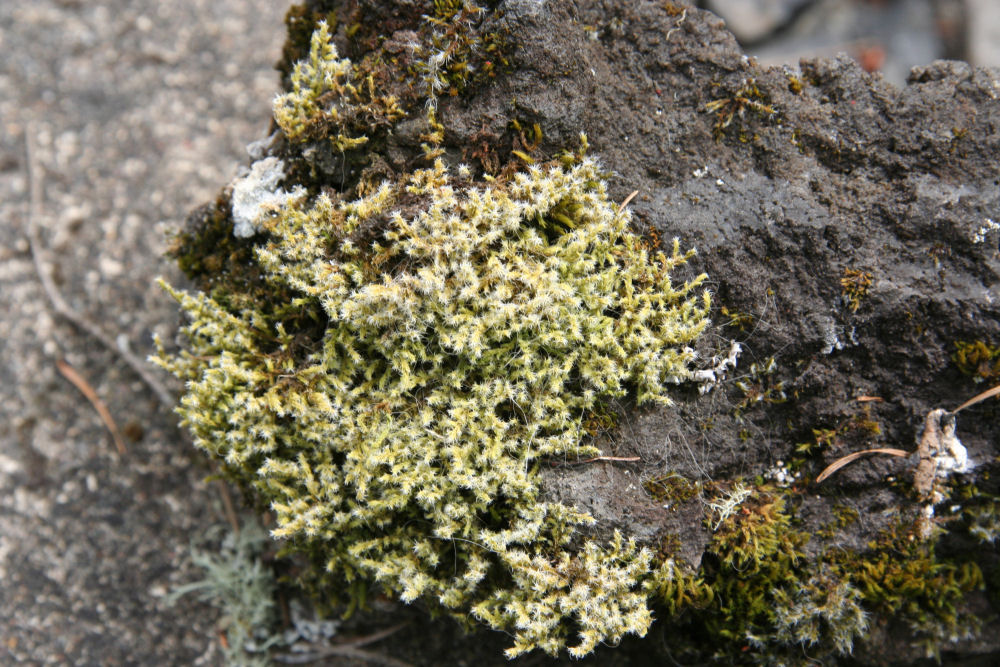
{"x": 841, "y": 221}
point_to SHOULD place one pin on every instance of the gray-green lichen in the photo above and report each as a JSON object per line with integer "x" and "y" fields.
{"x": 458, "y": 333}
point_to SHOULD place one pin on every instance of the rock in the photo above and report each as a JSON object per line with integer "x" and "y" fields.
{"x": 841, "y": 222}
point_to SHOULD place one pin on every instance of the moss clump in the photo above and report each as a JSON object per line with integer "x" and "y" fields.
{"x": 456, "y": 52}
{"x": 978, "y": 359}
{"x": 328, "y": 100}
{"x": 902, "y": 578}
{"x": 672, "y": 488}
{"x": 457, "y": 333}
{"x": 855, "y": 285}
{"x": 749, "y": 97}
{"x": 757, "y": 597}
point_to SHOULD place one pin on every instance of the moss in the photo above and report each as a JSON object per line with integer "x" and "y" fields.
{"x": 676, "y": 591}
{"x": 732, "y": 110}
{"x": 760, "y": 387}
{"x": 978, "y": 359}
{"x": 855, "y": 285}
{"x": 386, "y": 364}
{"x": 901, "y": 577}
{"x": 602, "y": 418}
{"x": 456, "y": 53}
{"x": 330, "y": 100}
{"x": 843, "y": 517}
{"x": 300, "y": 23}
{"x": 390, "y": 370}
{"x": 760, "y": 598}
{"x": 672, "y": 488}
{"x": 737, "y": 319}
{"x": 757, "y": 598}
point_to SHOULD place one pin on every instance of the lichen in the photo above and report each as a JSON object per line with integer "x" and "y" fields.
{"x": 257, "y": 194}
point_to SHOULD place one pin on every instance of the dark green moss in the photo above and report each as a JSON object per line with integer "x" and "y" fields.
{"x": 901, "y": 578}
{"x": 672, "y": 488}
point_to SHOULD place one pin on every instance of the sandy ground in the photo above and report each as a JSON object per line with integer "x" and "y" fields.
{"x": 140, "y": 111}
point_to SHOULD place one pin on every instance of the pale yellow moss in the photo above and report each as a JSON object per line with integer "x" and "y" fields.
{"x": 454, "y": 346}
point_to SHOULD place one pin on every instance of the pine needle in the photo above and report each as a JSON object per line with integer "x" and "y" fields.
{"x": 87, "y": 390}
{"x": 845, "y": 460}
{"x": 978, "y": 398}
{"x": 627, "y": 200}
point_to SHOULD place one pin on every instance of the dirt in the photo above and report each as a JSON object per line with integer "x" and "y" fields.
{"x": 138, "y": 111}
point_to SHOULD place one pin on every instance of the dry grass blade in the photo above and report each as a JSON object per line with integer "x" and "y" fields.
{"x": 845, "y": 460}
{"x": 627, "y": 200}
{"x": 81, "y": 383}
{"x": 978, "y": 398}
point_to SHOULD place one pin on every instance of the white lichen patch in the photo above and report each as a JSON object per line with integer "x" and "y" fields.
{"x": 257, "y": 195}
{"x": 952, "y": 457}
{"x": 725, "y": 506}
{"x": 708, "y": 378}
{"x": 989, "y": 226}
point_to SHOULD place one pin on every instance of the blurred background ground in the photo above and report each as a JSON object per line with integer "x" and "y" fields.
{"x": 140, "y": 110}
